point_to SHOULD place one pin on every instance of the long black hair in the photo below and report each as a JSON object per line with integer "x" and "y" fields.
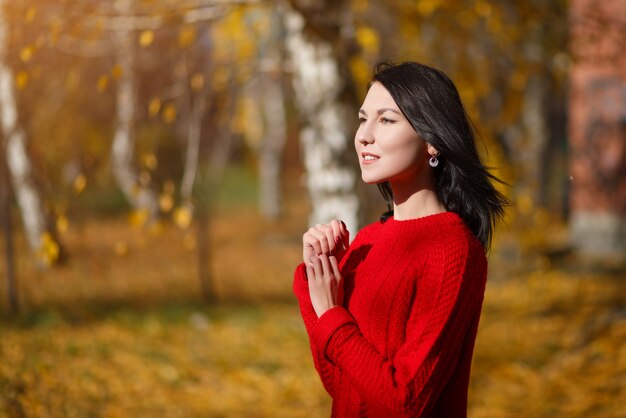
{"x": 431, "y": 103}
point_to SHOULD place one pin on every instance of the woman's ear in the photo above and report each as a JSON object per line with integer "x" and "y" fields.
{"x": 432, "y": 150}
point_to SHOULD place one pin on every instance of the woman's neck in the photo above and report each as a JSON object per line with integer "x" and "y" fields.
{"x": 412, "y": 204}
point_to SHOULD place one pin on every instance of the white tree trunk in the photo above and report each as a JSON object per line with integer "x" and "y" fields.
{"x": 139, "y": 195}
{"x": 326, "y": 136}
{"x": 18, "y": 160}
{"x": 271, "y": 103}
{"x": 194, "y": 136}
{"x": 270, "y": 152}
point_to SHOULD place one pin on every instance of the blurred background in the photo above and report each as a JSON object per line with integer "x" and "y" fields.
{"x": 161, "y": 159}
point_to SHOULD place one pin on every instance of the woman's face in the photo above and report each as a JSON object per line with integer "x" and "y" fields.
{"x": 386, "y": 144}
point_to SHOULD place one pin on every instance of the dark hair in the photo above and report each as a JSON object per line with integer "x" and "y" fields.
{"x": 431, "y": 103}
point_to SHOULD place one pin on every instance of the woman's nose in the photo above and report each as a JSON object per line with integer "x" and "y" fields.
{"x": 364, "y": 136}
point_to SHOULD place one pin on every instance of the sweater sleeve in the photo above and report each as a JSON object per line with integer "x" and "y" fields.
{"x": 447, "y": 298}
{"x": 301, "y": 290}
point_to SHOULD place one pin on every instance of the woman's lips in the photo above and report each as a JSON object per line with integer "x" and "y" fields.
{"x": 368, "y": 158}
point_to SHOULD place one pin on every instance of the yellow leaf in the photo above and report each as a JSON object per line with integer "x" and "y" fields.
{"x": 360, "y": 70}
{"x": 154, "y": 107}
{"x": 116, "y": 72}
{"x": 103, "y": 83}
{"x": 150, "y": 161}
{"x": 368, "y": 39}
{"x": 146, "y": 38}
{"x": 187, "y": 36}
{"x": 62, "y": 224}
{"x": 427, "y": 7}
{"x": 30, "y": 14}
{"x": 27, "y": 53}
{"x": 21, "y": 79}
{"x": 169, "y": 113}
{"x": 80, "y": 182}
{"x": 49, "y": 250}
{"x": 139, "y": 218}
{"x": 182, "y": 216}
{"x": 166, "y": 202}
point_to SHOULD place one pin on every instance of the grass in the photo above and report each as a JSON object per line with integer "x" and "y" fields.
{"x": 121, "y": 330}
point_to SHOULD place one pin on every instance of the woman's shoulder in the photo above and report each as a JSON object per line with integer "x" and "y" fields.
{"x": 455, "y": 255}
{"x": 455, "y": 239}
{"x": 368, "y": 232}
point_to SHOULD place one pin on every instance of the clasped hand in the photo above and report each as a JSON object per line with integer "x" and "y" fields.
{"x": 323, "y": 248}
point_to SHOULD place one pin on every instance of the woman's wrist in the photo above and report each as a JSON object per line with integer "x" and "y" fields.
{"x": 322, "y": 312}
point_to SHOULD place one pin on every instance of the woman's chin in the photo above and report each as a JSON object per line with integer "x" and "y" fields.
{"x": 371, "y": 179}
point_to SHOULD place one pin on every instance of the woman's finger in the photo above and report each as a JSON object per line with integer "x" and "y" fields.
{"x": 309, "y": 240}
{"x": 316, "y": 266}
{"x": 335, "y": 225}
{"x": 335, "y": 268}
{"x": 322, "y": 239}
{"x": 345, "y": 235}
{"x": 327, "y": 270}
{"x": 331, "y": 239}
{"x": 338, "y": 281}
{"x": 310, "y": 273}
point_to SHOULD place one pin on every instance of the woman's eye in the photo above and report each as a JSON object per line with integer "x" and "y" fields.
{"x": 361, "y": 120}
{"x": 385, "y": 120}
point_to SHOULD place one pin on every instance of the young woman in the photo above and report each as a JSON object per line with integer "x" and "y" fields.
{"x": 392, "y": 317}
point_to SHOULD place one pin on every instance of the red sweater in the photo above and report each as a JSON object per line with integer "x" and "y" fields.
{"x": 401, "y": 345}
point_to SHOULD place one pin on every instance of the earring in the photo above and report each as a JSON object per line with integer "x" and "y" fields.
{"x": 433, "y": 161}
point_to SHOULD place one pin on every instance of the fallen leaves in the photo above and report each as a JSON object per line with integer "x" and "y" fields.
{"x": 105, "y": 337}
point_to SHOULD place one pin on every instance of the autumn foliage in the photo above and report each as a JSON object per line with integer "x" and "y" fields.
{"x": 125, "y": 333}
{"x": 186, "y": 310}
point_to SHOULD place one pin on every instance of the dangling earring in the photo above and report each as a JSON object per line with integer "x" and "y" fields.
{"x": 433, "y": 161}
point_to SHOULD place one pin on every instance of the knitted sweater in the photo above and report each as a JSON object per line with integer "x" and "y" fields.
{"x": 401, "y": 344}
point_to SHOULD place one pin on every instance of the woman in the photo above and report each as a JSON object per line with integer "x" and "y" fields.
{"x": 392, "y": 317}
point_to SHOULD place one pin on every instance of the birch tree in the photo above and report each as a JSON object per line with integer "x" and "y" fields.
{"x": 270, "y": 133}
{"x": 323, "y": 101}
{"x": 271, "y": 147}
{"x": 138, "y": 192}
{"x": 18, "y": 160}
{"x": 7, "y": 232}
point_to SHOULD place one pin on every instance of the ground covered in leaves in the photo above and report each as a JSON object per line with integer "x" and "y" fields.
{"x": 121, "y": 331}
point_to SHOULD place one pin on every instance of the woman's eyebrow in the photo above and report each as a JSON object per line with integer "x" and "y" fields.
{"x": 380, "y": 111}
{"x": 385, "y": 109}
